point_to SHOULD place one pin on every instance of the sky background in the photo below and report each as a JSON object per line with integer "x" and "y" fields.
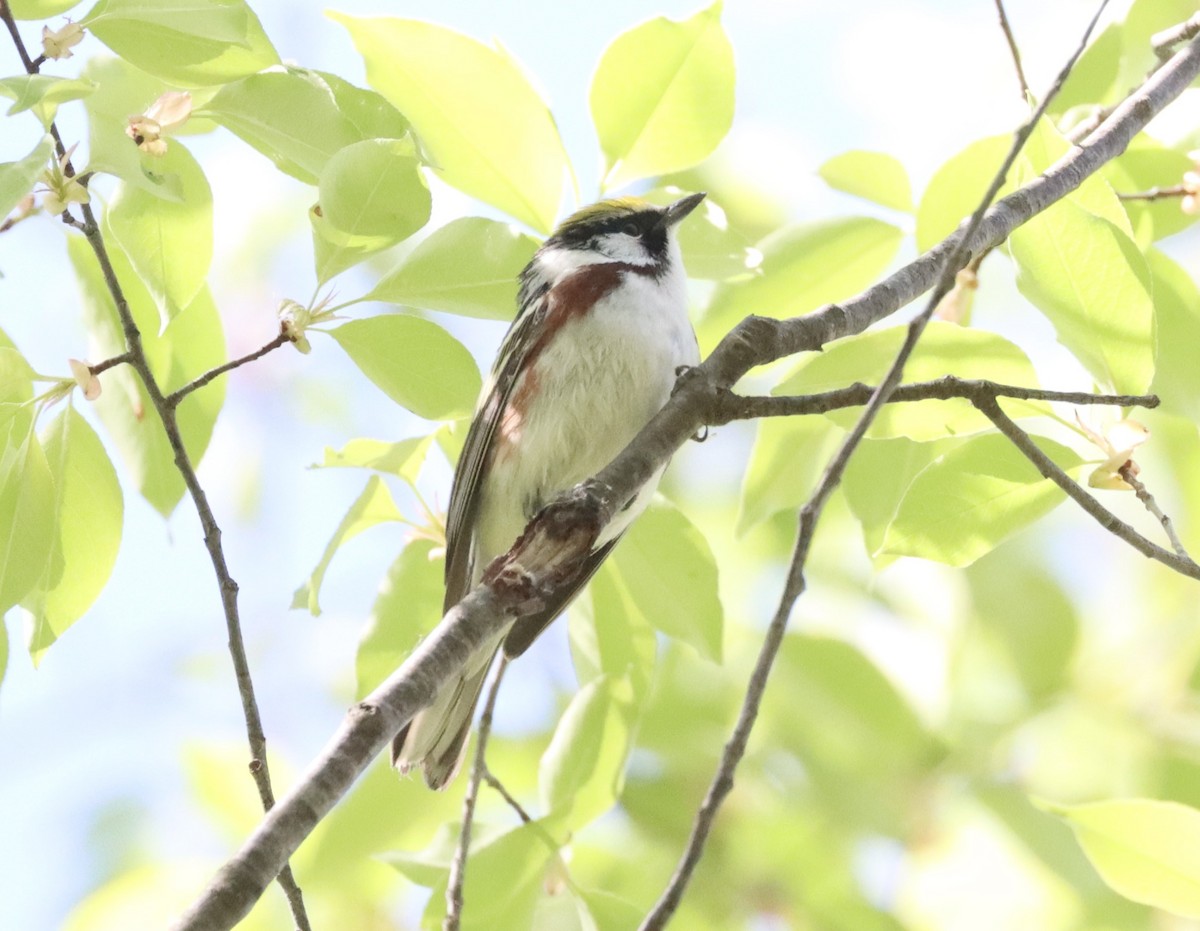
{"x": 90, "y": 742}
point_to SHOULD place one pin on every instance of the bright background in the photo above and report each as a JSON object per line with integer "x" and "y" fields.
{"x": 91, "y": 742}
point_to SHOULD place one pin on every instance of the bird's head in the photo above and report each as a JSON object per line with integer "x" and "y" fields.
{"x": 627, "y": 230}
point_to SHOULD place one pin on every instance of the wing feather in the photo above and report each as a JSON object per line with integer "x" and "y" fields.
{"x": 476, "y": 454}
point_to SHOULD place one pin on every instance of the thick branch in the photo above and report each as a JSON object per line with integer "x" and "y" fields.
{"x": 550, "y": 551}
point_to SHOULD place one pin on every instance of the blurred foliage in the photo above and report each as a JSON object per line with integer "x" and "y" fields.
{"x": 961, "y": 730}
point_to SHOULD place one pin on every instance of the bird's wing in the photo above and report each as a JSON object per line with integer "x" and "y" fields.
{"x": 474, "y": 459}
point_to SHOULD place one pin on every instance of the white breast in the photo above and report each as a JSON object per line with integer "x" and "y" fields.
{"x": 604, "y": 375}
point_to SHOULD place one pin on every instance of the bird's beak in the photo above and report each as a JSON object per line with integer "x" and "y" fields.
{"x": 680, "y": 209}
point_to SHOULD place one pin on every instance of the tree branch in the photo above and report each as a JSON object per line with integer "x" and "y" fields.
{"x": 727, "y": 406}
{"x": 173, "y": 399}
{"x": 1157, "y": 193}
{"x": 810, "y": 515}
{"x": 1181, "y": 563}
{"x": 559, "y": 537}
{"x": 1164, "y": 43}
{"x": 135, "y": 356}
{"x": 458, "y": 866}
{"x": 1143, "y": 494}
{"x": 1012, "y": 48}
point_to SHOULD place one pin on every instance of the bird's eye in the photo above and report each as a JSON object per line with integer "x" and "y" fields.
{"x": 631, "y": 229}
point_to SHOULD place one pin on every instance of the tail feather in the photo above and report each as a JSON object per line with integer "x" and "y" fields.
{"x": 435, "y": 740}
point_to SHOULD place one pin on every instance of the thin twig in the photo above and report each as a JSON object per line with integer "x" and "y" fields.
{"x": 1164, "y": 42}
{"x": 110, "y": 363}
{"x": 212, "y": 533}
{"x": 1157, "y": 193}
{"x": 1012, "y": 47}
{"x": 458, "y": 866}
{"x": 490, "y": 778}
{"x": 728, "y": 406}
{"x": 1143, "y": 495}
{"x": 794, "y": 586}
{"x": 178, "y": 395}
{"x": 1181, "y": 563}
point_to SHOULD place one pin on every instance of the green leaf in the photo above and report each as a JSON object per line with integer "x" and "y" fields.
{"x": 877, "y": 477}
{"x": 583, "y": 769}
{"x": 1145, "y": 849}
{"x": 89, "y": 511}
{"x": 121, "y": 91}
{"x": 414, "y": 362}
{"x": 1090, "y": 280}
{"x": 28, "y": 532}
{"x": 1092, "y": 82}
{"x": 407, "y": 606}
{"x": 504, "y": 880}
{"x": 873, "y": 176}
{"x": 42, "y": 93}
{"x": 371, "y": 196}
{"x": 373, "y": 506}
{"x": 485, "y": 129}
{"x": 844, "y": 717}
{"x": 18, "y": 178}
{"x": 956, "y": 188}
{"x": 296, "y": 119}
{"x": 467, "y": 267}
{"x": 1144, "y": 19}
{"x": 169, "y": 244}
{"x": 1145, "y": 165}
{"x": 666, "y": 568}
{"x": 1177, "y": 332}
{"x": 609, "y": 636}
{"x": 16, "y": 390}
{"x": 944, "y": 349}
{"x": 662, "y": 96}
{"x": 184, "y": 42}
{"x": 804, "y": 267}
{"x": 192, "y": 344}
{"x": 39, "y": 9}
{"x": 1027, "y": 612}
{"x": 788, "y": 455}
{"x": 966, "y": 502}
{"x": 402, "y": 459}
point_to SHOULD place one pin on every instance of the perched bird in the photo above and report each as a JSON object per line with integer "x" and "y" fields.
{"x": 601, "y": 329}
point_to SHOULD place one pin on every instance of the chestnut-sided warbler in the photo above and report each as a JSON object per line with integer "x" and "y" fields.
{"x": 601, "y": 329}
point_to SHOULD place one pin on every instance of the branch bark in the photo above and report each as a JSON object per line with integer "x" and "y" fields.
{"x": 554, "y": 544}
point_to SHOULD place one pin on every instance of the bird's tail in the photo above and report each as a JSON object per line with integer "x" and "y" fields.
{"x": 436, "y": 738}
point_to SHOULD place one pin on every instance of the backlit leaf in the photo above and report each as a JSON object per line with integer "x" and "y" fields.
{"x": 955, "y": 189}
{"x": 373, "y": 506}
{"x": 485, "y": 129}
{"x": 192, "y": 344}
{"x": 804, "y": 267}
{"x": 1143, "y": 848}
{"x": 665, "y": 566}
{"x": 18, "y": 178}
{"x": 89, "y": 510}
{"x": 788, "y": 455}
{"x": 28, "y": 532}
{"x": 874, "y": 176}
{"x": 662, "y": 96}
{"x": 169, "y": 244}
{"x": 184, "y": 42}
{"x": 42, "y": 93}
{"x": 414, "y": 362}
{"x": 468, "y": 267}
{"x": 969, "y": 500}
{"x": 944, "y": 349}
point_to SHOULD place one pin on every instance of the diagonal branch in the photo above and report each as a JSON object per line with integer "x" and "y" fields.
{"x": 554, "y": 545}
{"x": 810, "y": 514}
{"x": 135, "y": 356}
{"x": 458, "y": 867}
{"x": 1181, "y": 563}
